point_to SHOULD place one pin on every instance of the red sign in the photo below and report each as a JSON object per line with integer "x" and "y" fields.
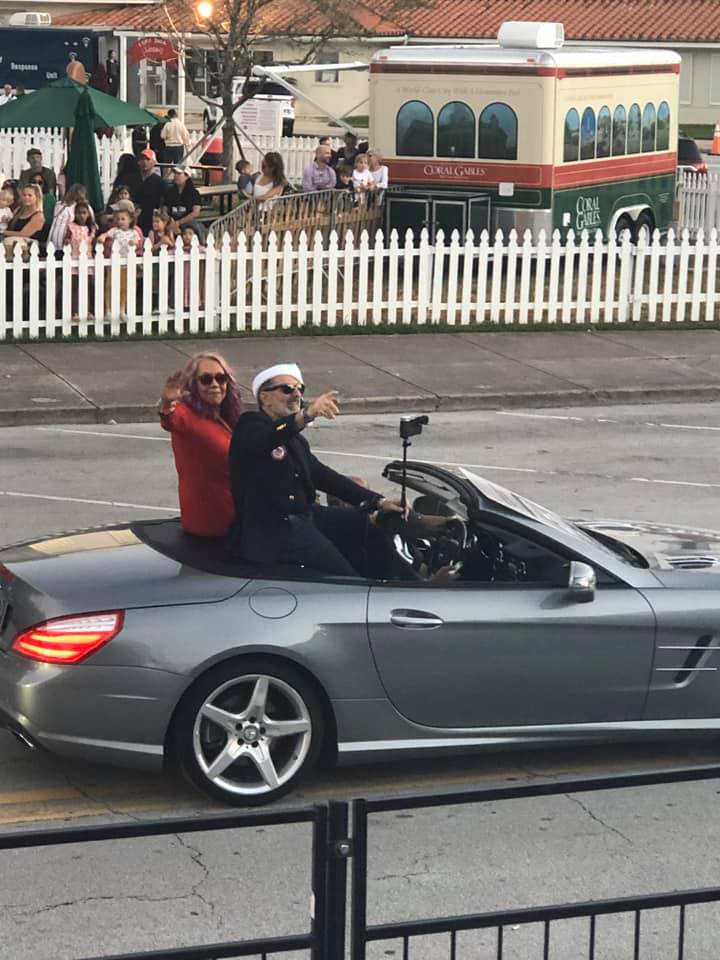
{"x": 152, "y": 48}
{"x": 469, "y": 172}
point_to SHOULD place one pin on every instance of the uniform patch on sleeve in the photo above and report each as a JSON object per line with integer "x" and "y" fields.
{"x": 281, "y": 426}
{"x": 279, "y": 453}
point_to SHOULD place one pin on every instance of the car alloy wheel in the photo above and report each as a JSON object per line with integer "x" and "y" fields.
{"x": 248, "y": 731}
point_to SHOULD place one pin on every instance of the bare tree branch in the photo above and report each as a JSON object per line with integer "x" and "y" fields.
{"x": 231, "y": 38}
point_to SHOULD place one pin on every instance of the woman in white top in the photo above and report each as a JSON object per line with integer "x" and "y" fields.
{"x": 64, "y": 214}
{"x": 377, "y": 169}
{"x": 270, "y": 182}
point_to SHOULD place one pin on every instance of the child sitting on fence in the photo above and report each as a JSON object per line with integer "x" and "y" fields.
{"x": 362, "y": 178}
{"x": 7, "y": 205}
{"x": 118, "y": 241}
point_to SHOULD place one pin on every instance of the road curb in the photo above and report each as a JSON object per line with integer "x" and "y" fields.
{"x": 142, "y": 413}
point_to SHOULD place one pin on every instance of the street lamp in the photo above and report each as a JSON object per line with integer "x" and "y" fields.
{"x": 204, "y": 9}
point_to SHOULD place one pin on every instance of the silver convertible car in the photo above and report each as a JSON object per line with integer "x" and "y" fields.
{"x": 489, "y": 621}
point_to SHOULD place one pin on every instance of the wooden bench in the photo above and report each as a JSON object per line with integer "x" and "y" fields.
{"x": 226, "y": 194}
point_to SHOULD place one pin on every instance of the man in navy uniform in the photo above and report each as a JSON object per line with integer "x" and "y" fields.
{"x": 274, "y": 478}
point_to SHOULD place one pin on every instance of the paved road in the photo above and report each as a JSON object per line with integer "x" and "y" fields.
{"x": 653, "y": 462}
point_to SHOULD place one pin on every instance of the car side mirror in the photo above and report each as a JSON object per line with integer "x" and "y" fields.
{"x": 582, "y": 582}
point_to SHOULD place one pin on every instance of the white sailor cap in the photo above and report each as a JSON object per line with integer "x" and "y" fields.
{"x": 279, "y": 370}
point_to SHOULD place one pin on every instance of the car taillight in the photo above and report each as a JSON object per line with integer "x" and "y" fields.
{"x": 68, "y": 639}
{"x": 5, "y": 573}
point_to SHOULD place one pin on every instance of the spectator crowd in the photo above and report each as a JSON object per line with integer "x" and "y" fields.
{"x": 354, "y": 167}
{"x": 153, "y": 200}
{"x": 143, "y": 207}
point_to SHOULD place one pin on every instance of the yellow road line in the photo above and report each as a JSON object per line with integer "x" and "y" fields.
{"x": 102, "y": 791}
{"x": 37, "y": 795}
{"x": 77, "y": 811}
{"x": 98, "y": 800}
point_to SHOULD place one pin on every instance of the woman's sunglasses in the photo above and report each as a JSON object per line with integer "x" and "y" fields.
{"x": 287, "y": 388}
{"x": 207, "y": 378}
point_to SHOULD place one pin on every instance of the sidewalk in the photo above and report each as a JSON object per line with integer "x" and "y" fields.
{"x": 99, "y": 382}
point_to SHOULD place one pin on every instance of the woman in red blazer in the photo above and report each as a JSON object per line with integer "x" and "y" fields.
{"x": 199, "y": 406}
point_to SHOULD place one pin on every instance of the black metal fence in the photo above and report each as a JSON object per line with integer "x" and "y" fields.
{"x": 334, "y": 846}
{"x": 451, "y": 926}
{"x": 312, "y": 940}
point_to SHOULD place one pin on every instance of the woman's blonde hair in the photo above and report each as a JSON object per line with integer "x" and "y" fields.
{"x": 38, "y": 194}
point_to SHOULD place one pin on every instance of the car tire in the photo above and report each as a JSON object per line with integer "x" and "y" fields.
{"x": 624, "y": 223}
{"x": 644, "y": 225}
{"x": 248, "y": 730}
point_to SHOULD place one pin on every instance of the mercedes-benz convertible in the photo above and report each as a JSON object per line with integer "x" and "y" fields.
{"x": 488, "y": 621}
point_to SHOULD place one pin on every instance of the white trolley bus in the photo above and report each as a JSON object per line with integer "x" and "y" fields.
{"x": 527, "y": 133}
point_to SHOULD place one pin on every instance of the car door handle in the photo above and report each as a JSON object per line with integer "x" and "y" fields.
{"x": 415, "y": 618}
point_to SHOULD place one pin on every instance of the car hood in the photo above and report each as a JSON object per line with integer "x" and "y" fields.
{"x": 666, "y": 547}
{"x": 104, "y": 569}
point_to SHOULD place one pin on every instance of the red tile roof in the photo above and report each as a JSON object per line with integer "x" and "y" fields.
{"x": 660, "y": 21}
{"x": 634, "y": 20}
{"x": 279, "y": 17}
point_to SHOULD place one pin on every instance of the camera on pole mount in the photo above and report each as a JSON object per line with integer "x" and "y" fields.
{"x": 409, "y": 427}
{"x": 412, "y": 426}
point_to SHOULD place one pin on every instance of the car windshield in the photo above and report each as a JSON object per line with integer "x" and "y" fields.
{"x": 622, "y": 550}
{"x": 497, "y": 494}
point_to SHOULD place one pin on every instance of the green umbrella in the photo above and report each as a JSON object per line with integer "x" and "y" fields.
{"x": 82, "y": 162}
{"x": 55, "y": 106}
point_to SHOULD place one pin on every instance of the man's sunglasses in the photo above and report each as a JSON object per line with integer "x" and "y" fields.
{"x": 287, "y": 388}
{"x": 207, "y": 378}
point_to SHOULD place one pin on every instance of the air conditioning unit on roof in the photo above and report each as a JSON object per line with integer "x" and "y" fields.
{"x": 30, "y": 19}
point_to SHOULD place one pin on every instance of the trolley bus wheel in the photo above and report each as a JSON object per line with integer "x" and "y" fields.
{"x": 623, "y": 223}
{"x": 644, "y": 227}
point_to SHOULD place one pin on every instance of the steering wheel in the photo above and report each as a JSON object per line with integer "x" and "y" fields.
{"x": 456, "y": 529}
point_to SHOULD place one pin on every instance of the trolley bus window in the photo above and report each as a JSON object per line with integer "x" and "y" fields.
{"x": 498, "y": 133}
{"x": 587, "y": 134}
{"x": 604, "y": 125}
{"x": 634, "y": 125}
{"x": 572, "y": 135}
{"x": 663, "y": 127}
{"x": 618, "y": 131}
{"x": 648, "y": 128}
{"x": 414, "y": 130}
{"x": 456, "y": 130}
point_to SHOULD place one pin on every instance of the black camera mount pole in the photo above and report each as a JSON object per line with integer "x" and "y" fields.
{"x": 406, "y": 442}
{"x": 409, "y": 427}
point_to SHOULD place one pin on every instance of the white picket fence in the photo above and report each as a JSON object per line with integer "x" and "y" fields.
{"x": 14, "y": 145}
{"x": 297, "y": 152}
{"x": 699, "y": 195}
{"x": 248, "y": 284}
